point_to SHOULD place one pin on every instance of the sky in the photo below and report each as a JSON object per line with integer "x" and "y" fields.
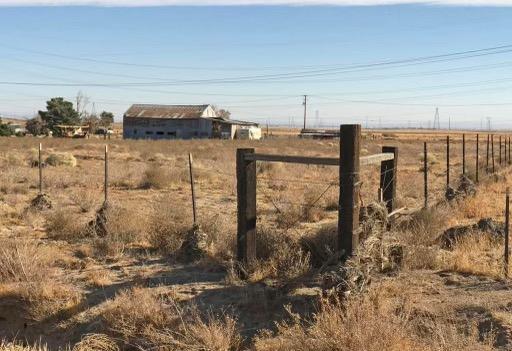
{"x": 358, "y": 61}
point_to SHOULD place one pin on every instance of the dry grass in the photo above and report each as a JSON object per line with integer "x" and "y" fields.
{"x": 152, "y": 321}
{"x": 61, "y": 159}
{"x": 478, "y": 254}
{"x": 155, "y": 177}
{"x": 63, "y": 224}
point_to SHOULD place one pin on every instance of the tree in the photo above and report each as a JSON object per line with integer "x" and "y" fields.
{"x": 92, "y": 121}
{"x": 36, "y": 126}
{"x": 107, "y": 118}
{"x": 5, "y": 130}
{"x": 222, "y": 112}
{"x": 59, "y": 112}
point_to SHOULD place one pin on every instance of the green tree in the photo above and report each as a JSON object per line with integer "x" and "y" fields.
{"x": 36, "y": 126}
{"x": 107, "y": 118}
{"x": 59, "y": 112}
{"x": 5, "y": 130}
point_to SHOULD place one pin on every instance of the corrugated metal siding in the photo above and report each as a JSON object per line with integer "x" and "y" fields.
{"x": 168, "y": 111}
{"x": 150, "y": 128}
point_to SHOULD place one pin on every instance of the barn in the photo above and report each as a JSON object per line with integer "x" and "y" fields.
{"x": 143, "y": 121}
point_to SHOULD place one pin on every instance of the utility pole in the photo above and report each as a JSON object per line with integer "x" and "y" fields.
{"x": 305, "y": 103}
{"x": 488, "y": 123}
{"x": 437, "y": 123}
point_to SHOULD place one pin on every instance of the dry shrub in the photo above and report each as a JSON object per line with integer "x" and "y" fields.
{"x": 151, "y": 321}
{"x": 431, "y": 160}
{"x": 477, "y": 253}
{"x": 123, "y": 226}
{"x": 155, "y": 177}
{"x": 61, "y": 159}
{"x": 29, "y": 266}
{"x": 63, "y": 224}
{"x": 321, "y": 245}
{"x": 96, "y": 342}
{"x": 313, "y": 205}
{"x": 167, "y": 226}
{"x": 15, "y": 346}
{"x": 423, "y": 227}
{"x": 85, "y": 198}
{"x": 421, "y": 257}
{"x": 99, "y": 277}
{"x": 221, "y": 236}
{"x": 23, "y": 261}
{"x": 279, "y": 255}
{"x": 361, "y": 324}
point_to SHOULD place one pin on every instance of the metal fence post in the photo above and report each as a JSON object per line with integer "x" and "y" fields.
{"x": 492, "y": 153}
{"x": 348, "y": 209}
{"x": 246, "y": 206}
{"x": 106, "y": 175}
{"x": 192, "y": 187}
{"x": 507, "y": 225}
{"x": 448, "y": 161}
{"x": 487, "y": 155}
{"x": 40, "y": 164}
{"x": 477, "y": 165}
{"x": 463, "y": 154}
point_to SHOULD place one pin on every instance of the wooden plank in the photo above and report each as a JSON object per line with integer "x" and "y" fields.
{"x": 388, "y": 177}
{"x": 329, "y": 161}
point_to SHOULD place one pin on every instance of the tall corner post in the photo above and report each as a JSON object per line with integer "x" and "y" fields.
{"x": 348, "y": 209}
{"x": 246, "y": 206}
{"x": 388, "y": 176}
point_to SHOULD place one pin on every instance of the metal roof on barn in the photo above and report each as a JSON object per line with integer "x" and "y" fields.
{"x": 166, "y": 111}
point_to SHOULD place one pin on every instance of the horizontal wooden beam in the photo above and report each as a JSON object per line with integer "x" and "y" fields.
{"x": 329, "y": 161}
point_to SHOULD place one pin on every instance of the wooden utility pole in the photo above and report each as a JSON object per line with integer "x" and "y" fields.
{"x": 192, "y": 188}
{"x": 348, "y": 209}
{"x": 246, "y": 204}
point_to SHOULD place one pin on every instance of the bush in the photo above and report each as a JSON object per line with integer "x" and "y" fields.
{"x": 155, "y": 177}
{"x": 61, "y": 159}
{"x": 64, "y": 225}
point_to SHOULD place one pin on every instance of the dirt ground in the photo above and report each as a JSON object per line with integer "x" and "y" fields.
{"x": 61, "y": 279}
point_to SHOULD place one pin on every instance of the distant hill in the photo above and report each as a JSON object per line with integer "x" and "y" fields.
{"x": 13, "y": 120}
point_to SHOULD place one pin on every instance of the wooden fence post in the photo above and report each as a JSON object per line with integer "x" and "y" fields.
{"x": 492, "y": 153}
{"x": 246, "y": 206}
{"x": 348, "y": 209}
{"x": 477, "y": 165}
{"x": 505, "y": 150}
{"x": 105, "y": 185}
{"x": 40, "y": 164}
{"x": 509, "y": 160}
{"x": 507, "y": 224}
{"x": 500, "y": 150}
{"x": 192, "y": 188}
{"x": 448, "y": 161}
{"x": 487, "y": 156}
{"x": 425, "y": 174}
{"x": 463, "y": 154}
{"x": 388, "y": 174}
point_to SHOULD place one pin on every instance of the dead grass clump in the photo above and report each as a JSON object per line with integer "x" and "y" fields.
{"x": 313, "y": 207}
{"x": 167, "y": 226}
{"x": 478, "y": 254}
{"x": 155, "y": 177}
{"x": 321, "y": 245}
{"x": 431, "y": 161}
{"x": 62, "y": 224}
{"x": 96, "y": 342}
{"x": 421, "y": 257}
{"x": 279, "y": 255}
{"x": 61, "y": 159}
{"x": 153, "y": 321}
{"x": 15, "y": 346}
{"x": 120, "y": 227}
{"x": 362, "y": 324}
{"x": 23, "y": 261}
{"x": 423, "y": 227}
{"x": 220, "y": 236}
{"x": 85, "y": 198}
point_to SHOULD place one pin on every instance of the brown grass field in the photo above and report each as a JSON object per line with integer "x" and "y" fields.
{"x": 65, "y": 284}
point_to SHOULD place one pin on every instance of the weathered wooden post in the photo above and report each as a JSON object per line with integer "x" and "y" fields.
{"x": 246, "y": 206}
{"x": 192, "y": 188}
{"x": 40, "y": 165}
{"x": 448, "y": 161}
{"x": 500, "y": 150}
{"x": 348, "y": 209}
{"x": 105, "y": 185}
{"x": 487, "y": 155}
{"x": 425, "y": 174}
{"x": 463, "y": 154}
{"x": 388, "y": 173}
{"x": 492, "y": 152}
{"x": 509, "y": 159}
{"x": 477, "y": 164}
{"x": 505, "y": 150}
{"x": 507, "y": 225}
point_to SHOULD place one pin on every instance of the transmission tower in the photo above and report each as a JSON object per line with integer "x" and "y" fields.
{"x": 437, "y": 124}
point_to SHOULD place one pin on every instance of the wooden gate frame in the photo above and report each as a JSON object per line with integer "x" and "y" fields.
{"x": 349, "y": 164}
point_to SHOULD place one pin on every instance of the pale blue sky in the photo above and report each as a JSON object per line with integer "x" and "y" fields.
{"x": 243, "y": 57}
